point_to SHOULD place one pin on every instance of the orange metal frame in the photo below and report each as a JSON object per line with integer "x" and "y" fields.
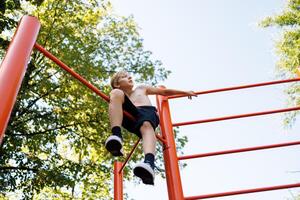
{"x": 165, "y": 116}
{"x": 12, "y": 71}
{"x": 14, "y": 65}
{"x": 170, "y": 155}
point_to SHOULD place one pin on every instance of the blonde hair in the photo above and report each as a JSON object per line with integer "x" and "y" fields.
{"x": 115, "y": 78}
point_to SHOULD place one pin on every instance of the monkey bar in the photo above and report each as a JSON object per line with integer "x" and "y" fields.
{"x": 239, "y": 150}
{"x": 237, "y": 116}
{"x": 263, "y": 189}
{"x": 242, "y": 86}
{"x": 12, "y": 71}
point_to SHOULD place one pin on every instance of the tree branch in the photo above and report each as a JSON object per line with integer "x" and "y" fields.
{"x": 48, "y": 77}
{"x": 35, "y": 100}
{"x": 49, "y": 130}
{"x": 19, "y": 168}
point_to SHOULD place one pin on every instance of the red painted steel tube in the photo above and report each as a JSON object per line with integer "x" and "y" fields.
{"x": 240, "y": 87}
{"x": 75, "y": 75}
{"x": 118, "y": 181}
{"x": 135, "y": 146}
{"x": 130, "y": 154}
{"x": 237, "y": 116}
{"x": 277, "y": 187}
{"x": 14, "y": 66}
{"x": 239, "y": 150}
{"x": 71, "y": 71}
{"x": 175, "y": 191}
{"x": 161, "y": 139}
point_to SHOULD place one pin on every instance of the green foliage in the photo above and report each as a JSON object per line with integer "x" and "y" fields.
{"x": 53, "y": 147}
{"x": 288, "y": 49}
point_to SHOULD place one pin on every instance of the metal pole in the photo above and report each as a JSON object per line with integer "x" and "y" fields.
{"x": 14, "y": 66}
{"x": 130, "y": 154}
{"x": 118, "y": 181}
{"x": 242, "y": 86}
{"x": 239, "y": 150}
{"x": 237, "y": 116}
{"x": 246, "y": 191}
{"x": 175, "y": 191}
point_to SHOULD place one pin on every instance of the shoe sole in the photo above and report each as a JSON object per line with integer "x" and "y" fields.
{"x": 143, "y": 174}
{"x": 114, "y": 147}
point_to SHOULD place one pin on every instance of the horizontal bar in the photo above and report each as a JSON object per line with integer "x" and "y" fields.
{"x": 77, "y": 76}
{"x": 237, "y": 116}
{"x": 239, "y": 150}
{"x": 239, "y": 87}
{"x": 71, "y": 71}
{"x": 278, "y": 187}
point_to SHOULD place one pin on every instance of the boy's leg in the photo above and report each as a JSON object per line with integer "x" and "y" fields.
{"x": 115, "y": 107}
{"x": 145, "y": 170}
{"x": 149, "y": 138}
{"x": 114, "y": 143}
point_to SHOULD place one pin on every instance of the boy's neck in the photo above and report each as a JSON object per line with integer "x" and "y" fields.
{"x": 128, "y": 91}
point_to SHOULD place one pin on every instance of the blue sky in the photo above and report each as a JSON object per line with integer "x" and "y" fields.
{"x": 210, "y": 44}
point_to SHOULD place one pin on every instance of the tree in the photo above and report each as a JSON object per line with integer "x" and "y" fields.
{"x": 287, "y": 47}
{"x": 53, "y": 146}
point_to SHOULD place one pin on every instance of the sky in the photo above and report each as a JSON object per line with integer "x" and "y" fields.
{"x": 209, "y": 44}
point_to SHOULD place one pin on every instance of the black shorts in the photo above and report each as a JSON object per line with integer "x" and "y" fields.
{"x": 141, "y": 114}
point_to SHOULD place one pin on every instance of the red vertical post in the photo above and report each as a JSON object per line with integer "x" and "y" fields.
{"x": 13, "y": 67}
{"x": 175, "y": 191}
{"x": 118, "y": 180}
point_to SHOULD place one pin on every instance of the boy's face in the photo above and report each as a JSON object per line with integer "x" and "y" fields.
{"x": 125, "y": 81}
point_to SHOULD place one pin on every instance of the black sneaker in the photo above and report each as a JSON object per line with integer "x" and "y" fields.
{"x": 145, "y": 172}
{"x": 114, "y": 145}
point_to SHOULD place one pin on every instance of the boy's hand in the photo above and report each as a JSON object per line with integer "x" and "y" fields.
{"x": 191, "y": 94}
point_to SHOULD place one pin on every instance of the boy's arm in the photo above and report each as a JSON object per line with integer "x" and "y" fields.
{"x": 167, "y": 92}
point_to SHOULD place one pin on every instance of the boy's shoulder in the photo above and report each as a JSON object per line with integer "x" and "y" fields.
{"x": 141, "y": 87}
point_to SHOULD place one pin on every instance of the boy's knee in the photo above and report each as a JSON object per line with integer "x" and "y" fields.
{"x": 146, "y": 125}
{"x": 116, "y": 93}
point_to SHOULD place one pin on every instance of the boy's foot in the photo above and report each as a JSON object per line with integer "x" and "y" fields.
{"x": 113, "y": 144}
{"x": 145, "y": 172}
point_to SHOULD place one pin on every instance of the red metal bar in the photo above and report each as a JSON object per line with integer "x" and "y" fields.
{"x": 161, "y": 139}
{"x": 130, "y": 154}
{"x": 239, "y": 150}
{"x": 241, "y": 87}
{"x": 71, "y": 71}
{"x": 135, "y": 146}
{"x": 77, "y": 76}
{"x": 14, "y": 66}
{"x": 175, "y": 191}
{"x": 237, "y": 116}
{"x": 118, "y": 181}
{"x": 278, "y": 187}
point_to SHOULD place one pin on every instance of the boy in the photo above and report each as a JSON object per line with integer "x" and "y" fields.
{"x": 136, "y": 102}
